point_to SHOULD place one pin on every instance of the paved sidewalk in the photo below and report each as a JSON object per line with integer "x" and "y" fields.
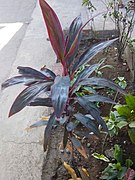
{"x": 21, "y": 152}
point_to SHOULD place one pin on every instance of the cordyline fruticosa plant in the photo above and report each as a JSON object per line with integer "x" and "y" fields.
{"x": 62, "y": 89}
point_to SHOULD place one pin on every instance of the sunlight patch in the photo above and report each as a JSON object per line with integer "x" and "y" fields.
{"x": 7, "y": 31}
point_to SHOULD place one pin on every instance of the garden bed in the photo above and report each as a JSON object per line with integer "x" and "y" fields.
{"x": 90, "y": 142}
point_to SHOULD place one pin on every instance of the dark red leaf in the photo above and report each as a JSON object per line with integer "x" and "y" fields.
{"x": 47, "y": 72}
{"x": 71, "y": 53}
{"x": 93, "y": 110}
{"x": 41, "y": 102}
{"x": 72, "y": 34}
{"x": 18, "y": 80}
{"x": 38, "y": 124}
{"x": 130, "y": 175}
{"x": 73, "y": 48}
{"x": 78, "y": 146}
{"x": 70, "y": 126}
{"x": 59, "y": 91}
{"x": 86, "y": 73}
{"x": 87, "y": 122}
{"x": 27, "y": 96}
{"x": 98, "y": 98}
{"x": 102, "y": 82}
{"x": 73, "y": 31}
{"x": 47, "y": 132}
{"x": 90, "y": 53}
{"x": 29, "y": 76}
{"x": 28, "y": 71}
{"x": 65, "y": 138}
{"x": 54, "y": 29}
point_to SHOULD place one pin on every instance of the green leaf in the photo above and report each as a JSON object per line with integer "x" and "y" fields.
{"x": 110, "y": 126}
{"x": 110, "y": 172}
{"x": 89, "y": 90}
{"x": 122, "y": 124}
{"x": 118, "y": 166}
{"x": 113, "y": 132}
{"x": 123, "y": 110}
{"x": 117, "y": 153}
{"x": 131, "y": 133}
{"x": 130, "y": 100}
{"x": 132, "y": 124}
{"x": 128, "y": 163}
{"x": 120, "y": 78}
{"x": 101, "y": 157}
{"x": 123, "y": 84}
{"x": 122, "y": 173}
{"x": 113, "y": 115}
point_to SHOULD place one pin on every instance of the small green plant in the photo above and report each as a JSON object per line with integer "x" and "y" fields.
{"x": 127, "y": 112}
{"x": 99, "y": 69}
{"x": 115, "y": 123}
{"x": 89, "y": 5}
{"x": 118, "y": 170}
{"x": 124, "y": 116}
{"x": 100, "y": 157}
{"x": 121, "y": 82}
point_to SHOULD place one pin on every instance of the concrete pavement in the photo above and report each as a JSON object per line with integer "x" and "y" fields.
{"x": 21, "y": 152}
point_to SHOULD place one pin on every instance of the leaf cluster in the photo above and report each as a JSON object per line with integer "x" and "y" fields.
{"x": 119, "y": 170}
{"x": 124, "y": 116}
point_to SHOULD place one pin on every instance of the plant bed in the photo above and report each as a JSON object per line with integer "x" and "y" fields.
{"x": 90, "y": 142}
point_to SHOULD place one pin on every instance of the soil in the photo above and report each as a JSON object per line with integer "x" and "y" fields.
{"x": 91, "y": 143}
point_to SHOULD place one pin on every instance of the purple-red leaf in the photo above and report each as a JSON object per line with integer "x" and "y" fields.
{"x": 29, "y": 76}
{"x": 27, "y": 96}
{"x": 59, "y": 91}
{"x": 102, "y": 82}
{"x": 72, "y": 34}
{"x": 28, "y": 71}
{"x": 130, "y": 175}
{"x": 73, "y": 31}
{"x": 71, "y": 126}
{"x": 98, "y": 98}
{"x": 18, "y": 80}
{"x": 55, "y": 32}
{"x": 65, "y": 138}
{"x": 86, "y": 73}
{"x": 77, "y": 144}
{"x": 43, "y": 74}
{"x": 41, "y": 102}
{"x": 90, "y": 53}
{"x": 47, "y": 132}
{"x": 38, "y": 124}
{"x": 87, "y": 122}
{"x": 48, "y": 73}
{"x": 93, "y": 110}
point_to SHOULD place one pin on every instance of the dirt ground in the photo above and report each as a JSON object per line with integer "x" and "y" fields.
{"x": 90, "y": 142}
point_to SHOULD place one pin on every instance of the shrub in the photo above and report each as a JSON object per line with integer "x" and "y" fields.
{"x": 61, "y": 90}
